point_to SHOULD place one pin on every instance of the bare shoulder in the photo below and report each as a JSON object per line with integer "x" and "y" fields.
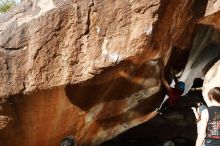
{"x": 205, "y": 114}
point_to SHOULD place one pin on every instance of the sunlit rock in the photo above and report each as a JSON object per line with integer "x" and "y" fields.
{"x": 211, "y": 81}
{"x": 204, "y": 50}
{"x": 213, "y": 6}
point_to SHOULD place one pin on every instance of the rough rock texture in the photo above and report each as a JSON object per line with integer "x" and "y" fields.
{"x": 86, "y": 67}
{"x": 70, "y": 42}
{"x": 82, "y": 38}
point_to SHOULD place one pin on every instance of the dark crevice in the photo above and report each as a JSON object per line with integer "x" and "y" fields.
{"x": 13, "y": 49}
{"x": 88, "y": 18}
{"x": 142, "y": 10}
{"x": 37, "y": 52}
{"x": 24, "y": 88}
{"x": 7, "y": 65}
{"x": 9, "y": 68}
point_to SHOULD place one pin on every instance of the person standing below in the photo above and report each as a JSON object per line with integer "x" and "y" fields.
{"x": 197, "y": 111}
{"x": 209, "y": 133}
{"x": 68, "y": 141}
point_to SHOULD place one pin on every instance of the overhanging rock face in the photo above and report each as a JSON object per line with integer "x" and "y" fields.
{"x": 213, "y": 75}
{"x": 85, "y": 67}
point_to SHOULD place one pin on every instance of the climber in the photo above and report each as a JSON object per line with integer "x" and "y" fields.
{"x": 68, "y": 141}
{"x": 173, "y": 93}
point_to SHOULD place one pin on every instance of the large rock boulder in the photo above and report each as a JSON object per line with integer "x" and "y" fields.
{"x": 86, "y": 68}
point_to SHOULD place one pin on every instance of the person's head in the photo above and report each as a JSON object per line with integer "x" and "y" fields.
{"x": 214, "y": 93}
{"x": 180, "y": 86}
{"x": 169, "y": 143}
{"x": 68, "y": 141}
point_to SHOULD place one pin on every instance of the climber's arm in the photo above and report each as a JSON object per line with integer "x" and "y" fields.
{"x": 164, "y": 81}
{"x": 162, "y": 75}
{"x": 173, "y": 75}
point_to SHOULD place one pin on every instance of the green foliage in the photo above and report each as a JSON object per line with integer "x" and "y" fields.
{"x": 6, "y": 5}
